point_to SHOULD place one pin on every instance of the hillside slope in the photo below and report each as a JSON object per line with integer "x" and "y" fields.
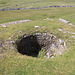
{"x": 13, "y": 63}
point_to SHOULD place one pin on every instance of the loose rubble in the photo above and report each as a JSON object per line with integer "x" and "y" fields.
{"x": 36, "y": 27}
{"x": 73, "y": 36}
{"x": 11, "y": 42}
{"x": 64, "y": 21}
{"x": 11, "y": 47}
{"x": 61, "y": 30}
{"x": 9, "y": 38}
{"x": 48, "y": 42}
{"x": 72, "y": 33}
{"x": 4, "y": 26}
{"x": 65, "y": 32}
{"x": 48, "y": 19}
{"x": 14, "y": 22}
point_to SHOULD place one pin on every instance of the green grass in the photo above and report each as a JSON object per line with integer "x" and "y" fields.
{"x": 34, "y": 3}
{"x": 13, "y": 63}
{"x": 9, "y": 3}
{"x": 8, "y": 16}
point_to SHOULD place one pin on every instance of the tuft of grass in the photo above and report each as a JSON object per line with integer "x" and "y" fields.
{"x": 41, "y": 53}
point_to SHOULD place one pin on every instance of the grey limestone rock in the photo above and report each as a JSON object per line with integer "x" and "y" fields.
{"x": 64, "y": 21}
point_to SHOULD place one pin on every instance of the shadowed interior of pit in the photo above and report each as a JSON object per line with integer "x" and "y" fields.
{"x": 29, "y": 46}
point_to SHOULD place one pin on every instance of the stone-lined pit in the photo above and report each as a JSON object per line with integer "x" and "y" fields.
{"x": 29, "y": 46}
{"x": 32, "y": 44}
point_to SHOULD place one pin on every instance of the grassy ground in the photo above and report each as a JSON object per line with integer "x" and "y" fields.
{"x": 34, "y": 3}
{"x": 9, "y": 16}
{"x": 13, "y": 63}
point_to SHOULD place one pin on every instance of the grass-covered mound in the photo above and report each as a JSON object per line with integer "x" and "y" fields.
{"x": 13, "y": 63}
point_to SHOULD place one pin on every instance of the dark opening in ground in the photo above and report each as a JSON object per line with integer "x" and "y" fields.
{"x": 29, "y": 46}
{"x": 39, "y": 44}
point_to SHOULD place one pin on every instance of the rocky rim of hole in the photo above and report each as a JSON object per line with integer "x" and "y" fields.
{"x": 32, "y": 44}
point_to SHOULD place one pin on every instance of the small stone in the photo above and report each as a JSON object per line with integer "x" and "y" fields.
{"x": 12, "y": 42}
{"x": 47, "y": 55}
{"x": 12, "y": 35}
{"x": 60, "y": 53}
{"x": 43, "y": 26}
{"x": 70, "y": 23}
{"x": 61, "y": 41}
{"x": 9, "y": 37}
{"x": 72, "y": 33}
{"x": 37, "y": 33}
{"x": 36, "y": 26}
{"x": 60, "y": 29}
{"x": 64, "y": 21}
{"x": 66, "y": 32}
{"x": 20, "y": 31}
{"x": 44, "y": 34}
{"x": 52, "y": 56}
{"x": 47, "y": 38}
{"x": 48, "y": 19}
{"x": 73, "y": 36}
{"x": 12, "y": 47}
{"x": 3, "y": 45}
{"x": 4, "y": 26}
